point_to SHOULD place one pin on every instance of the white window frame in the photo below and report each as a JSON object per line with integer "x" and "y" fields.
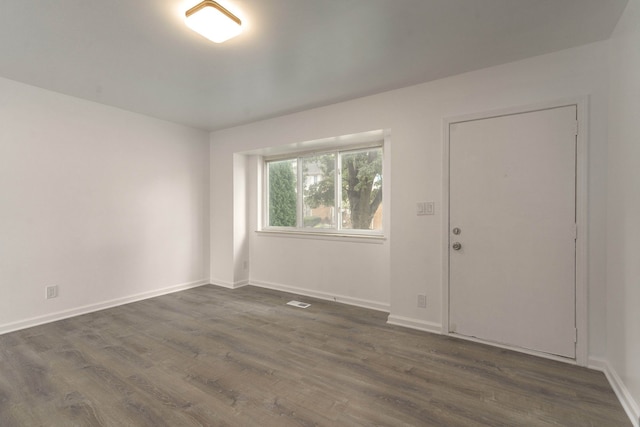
{"x": 337, "y": 231}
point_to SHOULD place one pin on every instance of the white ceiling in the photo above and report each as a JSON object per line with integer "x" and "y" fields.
{"x": 292, "y": 55}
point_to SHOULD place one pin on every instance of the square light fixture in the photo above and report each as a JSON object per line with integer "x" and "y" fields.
{"x": 213, "y": 21}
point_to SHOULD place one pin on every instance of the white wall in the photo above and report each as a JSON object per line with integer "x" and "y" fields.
{"x": 241, "y": 184}
{"x": 222, "y": 204}
{"x": 409, "y": 263}
{"x": 106, "y": 204}
{"x": 623, "y": 213}
{"x": 348, "y": 271}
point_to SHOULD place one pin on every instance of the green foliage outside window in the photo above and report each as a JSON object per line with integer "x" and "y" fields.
{"x": 361, "y": 186}
{"x": 282, "y": 194}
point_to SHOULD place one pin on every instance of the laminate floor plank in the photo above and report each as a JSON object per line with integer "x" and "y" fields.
{"x": 211, "y": 356}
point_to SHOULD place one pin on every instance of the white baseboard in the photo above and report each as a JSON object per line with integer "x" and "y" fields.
{"x": 420, "y": 325}
{"x": 229, "y": 285}
{"x": 373, "y": 305}
{"x": 631, "y": 407}
{"x": 65, "y": 314}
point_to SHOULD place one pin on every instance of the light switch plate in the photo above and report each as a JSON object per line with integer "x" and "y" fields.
{"x": 430, "y": 208}
{"x": 425, "y": 208}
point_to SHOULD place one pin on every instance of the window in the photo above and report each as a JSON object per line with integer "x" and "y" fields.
{"x": 318, "y": 194}
{"x": 330, "y": 191}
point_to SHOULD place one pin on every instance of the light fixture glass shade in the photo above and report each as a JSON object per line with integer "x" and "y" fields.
{"x": 213, "y": 21}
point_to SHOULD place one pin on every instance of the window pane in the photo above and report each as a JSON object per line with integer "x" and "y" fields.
{"x": 282, "y": 193}
{"x": 319, "y": 190}
{"x": 362, "y": 190}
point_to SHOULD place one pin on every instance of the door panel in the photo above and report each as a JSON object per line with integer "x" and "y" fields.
{"x": 512, "y": 195}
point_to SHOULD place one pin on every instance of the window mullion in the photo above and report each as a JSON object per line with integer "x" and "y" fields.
{"x": 338, "y": 190}
{"x": 265, "y": 194}
{"x": 300, "y": 198}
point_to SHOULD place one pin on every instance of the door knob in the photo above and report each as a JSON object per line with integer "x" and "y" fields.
{"x": 456, "y": 246}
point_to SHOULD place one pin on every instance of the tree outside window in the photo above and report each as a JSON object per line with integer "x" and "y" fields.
{"x": 357, "y": 185}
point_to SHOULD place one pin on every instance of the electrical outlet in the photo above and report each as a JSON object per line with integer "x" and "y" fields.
{"x": 422, "y": 301}
{"x": 52, "y": 291}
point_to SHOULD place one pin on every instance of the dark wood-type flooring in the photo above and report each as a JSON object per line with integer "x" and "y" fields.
{"x": 215, "y": 357}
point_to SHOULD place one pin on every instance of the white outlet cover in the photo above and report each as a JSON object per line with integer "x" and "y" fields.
{"x": 422, "y": 301}
{"x": 51, "y": 292}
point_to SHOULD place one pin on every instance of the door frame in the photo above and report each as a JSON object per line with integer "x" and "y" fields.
{"x": 581, "y": 308}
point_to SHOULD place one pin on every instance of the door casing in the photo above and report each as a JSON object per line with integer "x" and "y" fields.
{"x": 581, "y": 104}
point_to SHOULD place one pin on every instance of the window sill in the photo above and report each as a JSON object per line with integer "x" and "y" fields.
{"x": 342, "y": 237}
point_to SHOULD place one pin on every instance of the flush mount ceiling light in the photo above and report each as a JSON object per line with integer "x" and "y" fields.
{"x": 213, "y": 21}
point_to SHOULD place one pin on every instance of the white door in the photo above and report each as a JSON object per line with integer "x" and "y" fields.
{"x": 512, "y": 200}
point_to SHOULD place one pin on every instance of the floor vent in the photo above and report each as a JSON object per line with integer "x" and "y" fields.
{"x": 298, "y": 304}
